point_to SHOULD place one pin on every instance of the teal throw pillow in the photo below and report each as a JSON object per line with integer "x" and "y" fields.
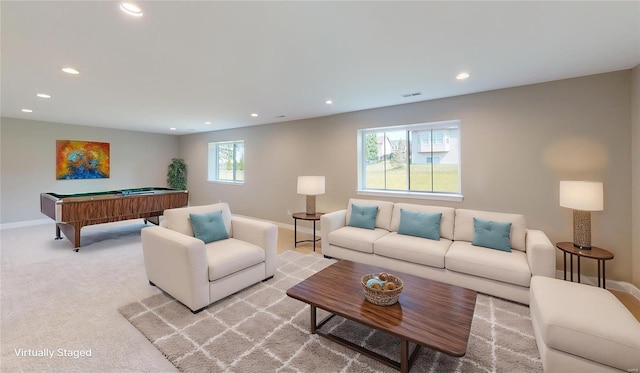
{"x": 492, "y": 234}
{"x": 420, "y": 224}
{"x": 209, "y": 227}
{"x": 363, "y": 216}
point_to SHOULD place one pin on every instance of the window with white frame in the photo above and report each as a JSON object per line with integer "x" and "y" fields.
{"x": 421, "y": 160}
{"x": 226, "y": 161}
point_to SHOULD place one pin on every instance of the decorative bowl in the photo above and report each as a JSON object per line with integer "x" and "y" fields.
{"x": 382, "y": 297}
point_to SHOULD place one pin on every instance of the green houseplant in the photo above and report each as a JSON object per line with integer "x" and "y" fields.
{"x": 177, "y": 174}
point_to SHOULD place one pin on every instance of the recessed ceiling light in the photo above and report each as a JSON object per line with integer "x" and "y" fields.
{"x": 328, "y": 102}
{"x": 254, "y": 115}
{"x": 172, "y": 128}
{"x": 131, "y": 9}
{"x": 27, "y": 110}
{"x": 463, "y": 76}
{"x": 70, "y": 70}
{"x": 43, "y": 95}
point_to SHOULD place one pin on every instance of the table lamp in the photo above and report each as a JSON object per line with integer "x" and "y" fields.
{"x": 311, "y": 186}
{"x": 583, "y": 197}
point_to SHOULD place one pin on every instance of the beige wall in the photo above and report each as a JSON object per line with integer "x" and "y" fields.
{"x": 517, "y": 144}
{"x": 635, "y": 164}
{"x": 28, "y": 163}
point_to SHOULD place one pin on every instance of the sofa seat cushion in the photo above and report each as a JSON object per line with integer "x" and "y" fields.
{"x": 230, "y": 256}
{"x": 585, "y": 321}
{"x": 413, "y": 249}
{"x": 510, "y": 267}
{"x": 356, "y": 238}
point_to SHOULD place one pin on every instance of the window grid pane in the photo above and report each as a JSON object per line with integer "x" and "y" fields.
{"x": 418, "y": 158}
{"x": 226, "y": 161}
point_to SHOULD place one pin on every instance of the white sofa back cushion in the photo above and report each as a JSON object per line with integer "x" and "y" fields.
{"x": 178, "y": 219}
{"x": 385, "y": 209}
{"x": 464, "y": 229}
{"x": 446, "y": 223}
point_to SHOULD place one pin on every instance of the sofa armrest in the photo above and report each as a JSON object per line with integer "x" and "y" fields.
{"x": 259, "y": 233}
{"x": 329, "y": 222}
{"x": 177, "y": 264}
{"x": 541, "y": 254}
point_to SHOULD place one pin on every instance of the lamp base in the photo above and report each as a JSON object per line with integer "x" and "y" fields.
{"x": 311, "y": 205}
{"x": 582, "y": 229}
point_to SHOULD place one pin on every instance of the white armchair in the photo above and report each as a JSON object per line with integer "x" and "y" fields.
{"x": 198, "y": 274}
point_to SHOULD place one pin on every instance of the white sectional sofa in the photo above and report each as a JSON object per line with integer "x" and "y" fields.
{"x": 582, "y": 328}
{"x": 451, "y": 259}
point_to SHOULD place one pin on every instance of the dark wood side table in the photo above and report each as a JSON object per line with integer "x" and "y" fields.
{"x": 309, "y": 217}
{"x": 601, "y": 255}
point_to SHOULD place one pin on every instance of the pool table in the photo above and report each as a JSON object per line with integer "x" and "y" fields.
{"x": 71, "y": 212}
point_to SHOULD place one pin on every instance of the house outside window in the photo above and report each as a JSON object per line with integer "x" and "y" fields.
{"x": 226, "y": 161}
{"x": 418, "y": 160}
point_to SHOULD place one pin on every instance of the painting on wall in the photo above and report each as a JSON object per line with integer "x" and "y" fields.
{"x": 82, "y": 160}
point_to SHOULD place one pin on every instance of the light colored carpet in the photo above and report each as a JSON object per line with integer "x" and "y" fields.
{"x": 54, "y": 298}
{"x": 260, "y": 329}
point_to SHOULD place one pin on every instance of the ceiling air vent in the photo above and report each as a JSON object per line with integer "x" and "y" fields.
{"x": 412, "y": 94}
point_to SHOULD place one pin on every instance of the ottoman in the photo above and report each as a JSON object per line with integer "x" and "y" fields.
{"x": 582, "y": 328}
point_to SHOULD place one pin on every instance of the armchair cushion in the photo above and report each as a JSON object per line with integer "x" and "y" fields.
{"x": 178, "y": 219}
{"x": 232, "y": 255}
{"x": 209, "y": 227}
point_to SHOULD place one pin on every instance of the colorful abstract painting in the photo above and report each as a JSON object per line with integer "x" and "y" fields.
{"x": 82, "y": 160}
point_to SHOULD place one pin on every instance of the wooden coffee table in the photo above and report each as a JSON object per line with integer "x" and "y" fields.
{"x": 428, "y": 313}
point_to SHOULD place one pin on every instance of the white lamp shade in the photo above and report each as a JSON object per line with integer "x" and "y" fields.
{"x": 311, "y": 185}
{"x": 581, "y": 195}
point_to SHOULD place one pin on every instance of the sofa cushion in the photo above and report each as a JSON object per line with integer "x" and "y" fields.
{"x": 230, "y": 256}
{"x": 412, "y": 249}
{"x": 420, "y": 224}
{"x": 178, "y": 219}
{"x": 363, "y": 216}
{"x": 383, "y": 219}
{"x": 511, "y": 268}
{"x": 209, "y": 227}
{"x": 356, "y": 238}
{"x": 446, "y": 223}
{"x": 585, "y": 321}
{"x": 464, "y": 229}
{"x": 492, "y": 234}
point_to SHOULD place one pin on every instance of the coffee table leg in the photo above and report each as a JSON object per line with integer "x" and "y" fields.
{"x": 313, "y": 319}
{"x": 404, "y": 355}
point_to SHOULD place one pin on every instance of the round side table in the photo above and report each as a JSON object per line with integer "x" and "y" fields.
{"x": 309, "y": 217}
{"x": 601, "y": 255}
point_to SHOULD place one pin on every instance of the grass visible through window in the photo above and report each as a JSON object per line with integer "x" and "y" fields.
{"x": 445, "y": 177}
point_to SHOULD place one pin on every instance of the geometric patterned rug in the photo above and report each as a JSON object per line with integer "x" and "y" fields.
{"x": 261, "y": 329}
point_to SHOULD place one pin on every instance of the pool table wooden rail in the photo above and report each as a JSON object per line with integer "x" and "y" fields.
{"x": 71, "y": 213}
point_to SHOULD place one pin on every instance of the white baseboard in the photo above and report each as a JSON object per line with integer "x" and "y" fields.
{"x": 611, "y": 284}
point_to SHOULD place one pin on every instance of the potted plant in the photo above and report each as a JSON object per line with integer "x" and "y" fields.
{"x": 177, "y": 174}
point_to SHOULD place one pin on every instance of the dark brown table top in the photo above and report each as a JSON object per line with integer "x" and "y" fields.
{"x": 429, "y": 313}
{"x": 594, "y": 252}
{"x": 305, "y": 216}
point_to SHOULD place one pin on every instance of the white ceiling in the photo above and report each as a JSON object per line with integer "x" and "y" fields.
{"x": 185, "y": 63}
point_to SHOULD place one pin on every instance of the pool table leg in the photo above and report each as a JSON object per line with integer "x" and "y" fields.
{"x": 58, "y": 236}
